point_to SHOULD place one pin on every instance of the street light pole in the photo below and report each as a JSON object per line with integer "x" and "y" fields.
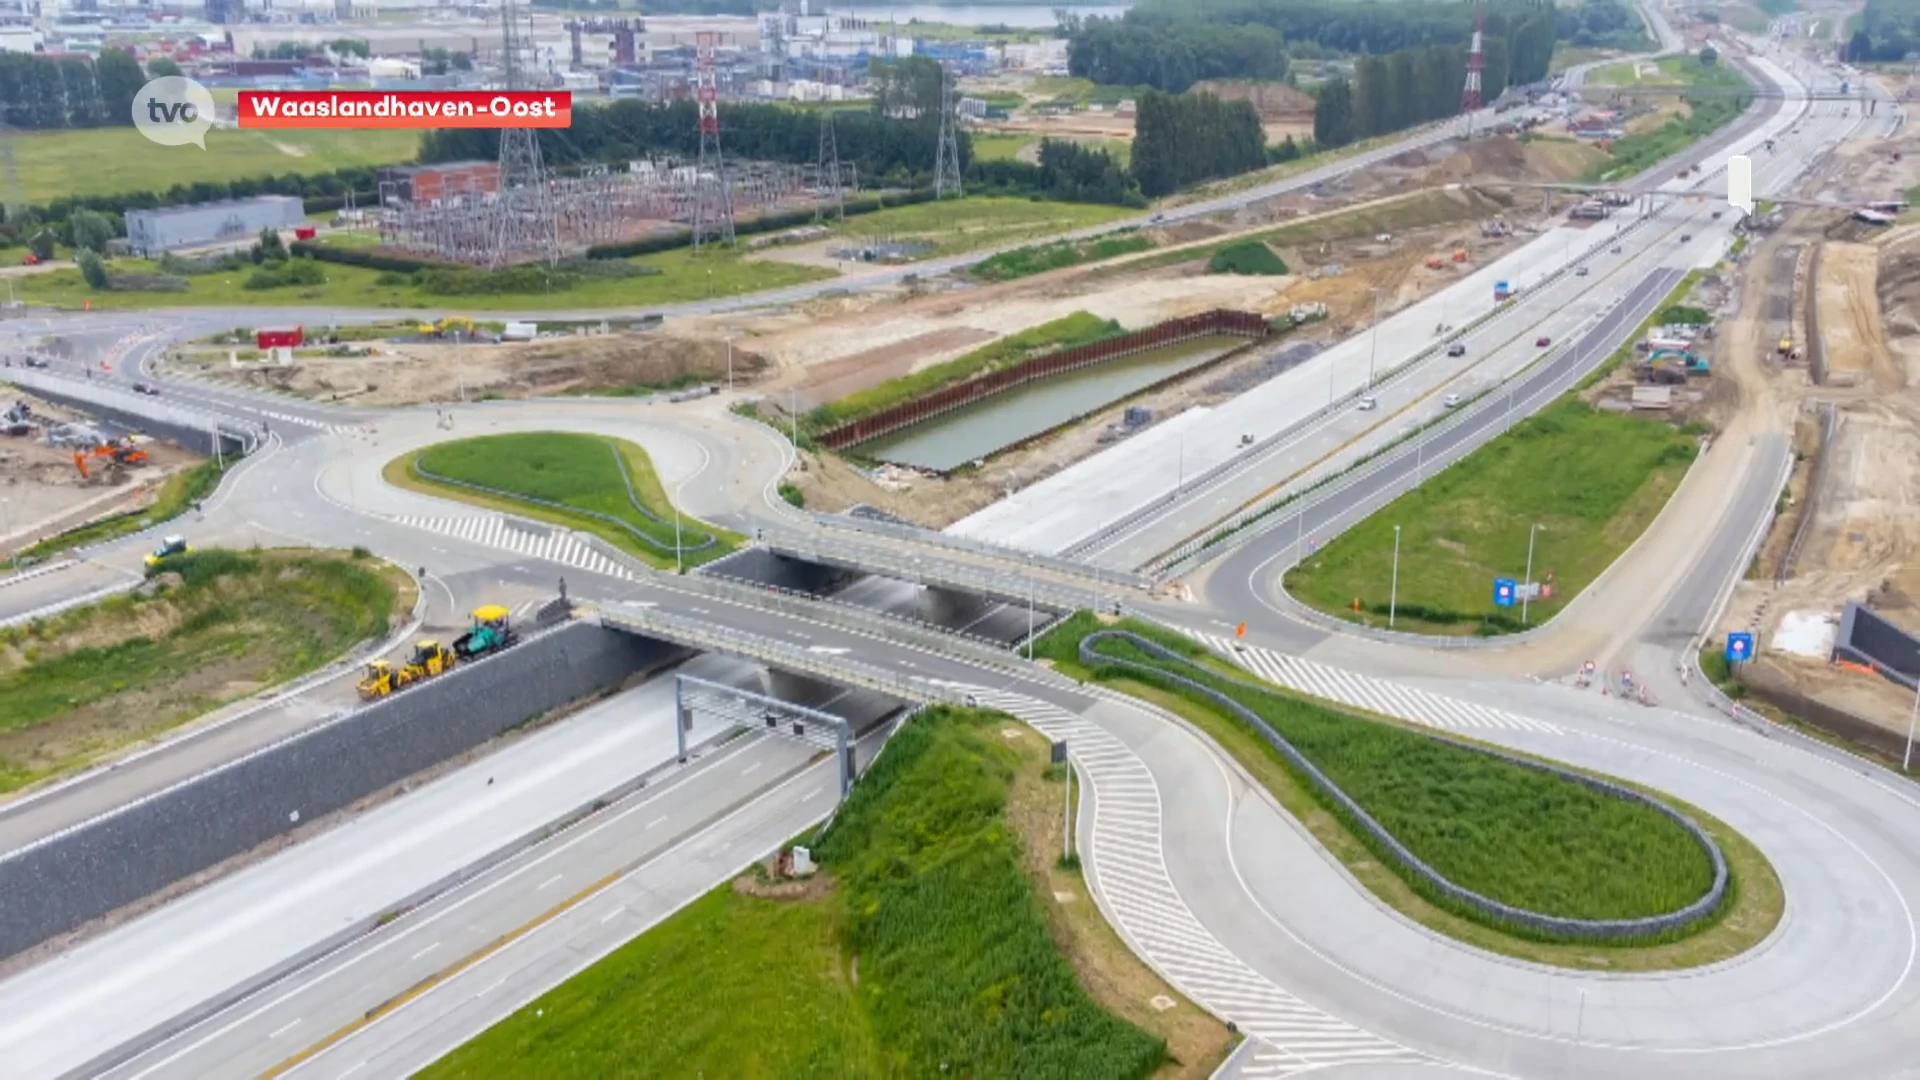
{"x": 729, "y": 365}
{"x": 793, "y": 415}
{"x": 679, "y": 563}
{"x": 1393, "y": 590}
{"x": 1907, "y": 760}
{"x": 1373, "y": 351}
{"x": 1527, "y": 592}
{"x": 1029, "y": 606}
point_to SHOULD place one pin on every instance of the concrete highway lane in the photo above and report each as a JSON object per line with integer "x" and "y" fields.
{"x": 188, "y": 955}
{"x": 1246, "y": 582}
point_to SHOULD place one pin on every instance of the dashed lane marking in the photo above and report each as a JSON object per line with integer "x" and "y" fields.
{"x": 1382, "y": 696}
{"x": 1128, "y": 857}
{"x": 552, "y": 545}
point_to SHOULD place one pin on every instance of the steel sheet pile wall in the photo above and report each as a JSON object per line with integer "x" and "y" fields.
{"x": 1172, "y": 332}
{"x": 136, "y": 850}
{"x": 1866, "y": 638}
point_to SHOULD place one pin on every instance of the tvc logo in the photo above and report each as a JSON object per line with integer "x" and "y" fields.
{"x": 174, "y": 111}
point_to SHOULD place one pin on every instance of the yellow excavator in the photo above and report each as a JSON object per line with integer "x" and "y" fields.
{"x": 429, "y": 658}
{"x": 451, "y": 324}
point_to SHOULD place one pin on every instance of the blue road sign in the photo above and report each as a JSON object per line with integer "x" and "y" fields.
{"x": 1739, "y": 648}
{"x": 1503, "y": 592}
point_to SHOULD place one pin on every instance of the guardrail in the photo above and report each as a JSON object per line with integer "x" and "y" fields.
{"x": 698, "y": 634}
{"x": 1008, "y": 586}
{"x": 105, "y": 395}
{"x": 914, "y": 534}
{"x": 1583, "y": 929}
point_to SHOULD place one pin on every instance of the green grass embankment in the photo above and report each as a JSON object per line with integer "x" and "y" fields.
{"x": 577, "y": 471}
{"x": 1512, "y": 833}
{"x": 81, "y": 684}
{"x": 922, "y": 950}
{"x": 1593, "y": 481}
{"x": 1703, "y": 115}
{"x": 1041, "y": 258}
{"x": 1079, "y": 328}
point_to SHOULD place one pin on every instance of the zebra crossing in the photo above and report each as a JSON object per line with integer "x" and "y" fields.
{"x": 534, "y": 541}
{"x": 1367, "y": 692}
{"x": 1127, "y": 855}
{"x": 307, "y": 421}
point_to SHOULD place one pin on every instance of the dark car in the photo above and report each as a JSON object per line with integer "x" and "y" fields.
{"x": 1542, "y": 341}
{"x": 1458, "y": 348}
{"x": 146, "y": 388}
{"x": 36, "y": 361}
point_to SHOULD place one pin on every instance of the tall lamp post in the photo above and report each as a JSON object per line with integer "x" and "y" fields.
{"x": 1373, "y": 350}
{"x": 1527, "y": 591}
{"x": 1393, "y": 590}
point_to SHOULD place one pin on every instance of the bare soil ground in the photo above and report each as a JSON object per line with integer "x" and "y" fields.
{"x": 43, "y": 491}
{"x": 407, "y": 373}
{"x": 1848, "y": 307}
{"x": 1863, "y": 539}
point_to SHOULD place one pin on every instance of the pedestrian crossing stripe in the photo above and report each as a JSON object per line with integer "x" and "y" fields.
{"x": 553, "y": 544}
{"x": 1383, "y": 696}
{"x": 1127, "y": 857}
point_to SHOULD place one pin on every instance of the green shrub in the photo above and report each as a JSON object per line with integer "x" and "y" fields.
{"x": 1246, "y": 257}
{"x": 284, "y": 273}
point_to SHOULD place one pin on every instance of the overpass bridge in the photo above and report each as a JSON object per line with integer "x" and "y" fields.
{"x": 957, "y": 567}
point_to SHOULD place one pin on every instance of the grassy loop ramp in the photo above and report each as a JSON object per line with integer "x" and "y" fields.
{"x": 596, "y": 484}
{"x": 1519, "y": 845}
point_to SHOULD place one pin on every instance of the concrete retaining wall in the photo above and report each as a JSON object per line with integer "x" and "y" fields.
{"x": 1589, "y": 929}
{"x": 96, "y": 867}
{"x": 197, "y": 439}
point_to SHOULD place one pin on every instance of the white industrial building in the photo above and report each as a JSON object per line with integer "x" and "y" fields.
{"x": 150, "y": 232}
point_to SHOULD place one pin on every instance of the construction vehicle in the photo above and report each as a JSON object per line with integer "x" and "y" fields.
{"x": 169, "y": 547}
{"x": 452, "y": 323}
{"x": 380, "y": 680}
{"x": 1502, "y": 291}
{"x": 1435, "y": 262}
{"x": 490, "y": 633}
{"x": 1459, "y": 255}
{"x": 430, "y": 658}
{"x": 1786, "y": 347}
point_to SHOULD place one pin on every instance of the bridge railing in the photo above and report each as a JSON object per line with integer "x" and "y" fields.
{"x": 913, "y": 534}
{"x": 773, "y": 652}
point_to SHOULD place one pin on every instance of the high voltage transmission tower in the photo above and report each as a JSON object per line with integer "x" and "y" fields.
{"x": 946, "y": 168}
{"x": 829, "y": 168}
{"x": 713, "y": 193}
{"x": 525, "y": 224}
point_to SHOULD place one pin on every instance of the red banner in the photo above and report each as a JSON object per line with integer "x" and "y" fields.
{"x": 406, "y": 109}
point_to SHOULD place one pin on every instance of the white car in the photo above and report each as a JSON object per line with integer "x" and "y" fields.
{"x": 1368, "y": 404}
{"x": 1451, "y": 401}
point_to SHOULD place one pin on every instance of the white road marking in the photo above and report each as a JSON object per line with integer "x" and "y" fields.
{"x": 493, "y": 530}
{"x": 1365, "y": 691}
{"x": 748, "y": 771}
{"x": 612, "y": 915}
{"x": 548, "y": 882}
{"x": 1128, "y": 857}
{"x": 426, "y": 950}
{"x": 283, "y": 1029}
{"x": 661, "y": 820}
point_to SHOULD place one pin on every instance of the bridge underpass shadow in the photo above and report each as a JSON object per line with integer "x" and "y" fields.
{"x": 947, "y": 609}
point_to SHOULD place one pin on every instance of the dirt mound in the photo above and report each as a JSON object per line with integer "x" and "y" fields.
{"x": 1275, "y": 102}
{"x": 409, "y": 373}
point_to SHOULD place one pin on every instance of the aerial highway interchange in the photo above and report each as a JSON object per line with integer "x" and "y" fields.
{"x": 1201, "y": 872}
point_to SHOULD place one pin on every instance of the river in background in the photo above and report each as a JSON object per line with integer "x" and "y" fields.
{"x": 969, "y": 434}
{"x": 1019, "y": 16}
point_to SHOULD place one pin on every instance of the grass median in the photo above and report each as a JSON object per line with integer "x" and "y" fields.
{"x": 929, "y": 944}
{"x": 1591, "y": 480}
{"x": 1524, "y": 837}
{"x": 217, "y": 626}
{"x": 580, "y": 473}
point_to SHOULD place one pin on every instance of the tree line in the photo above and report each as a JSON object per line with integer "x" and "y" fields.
{"x": 1173, "y": 56}
{"x": 43, "y": 93}
{"x": 1889, "y": 30}
{"x": 1413, "y": 86}
{"x": 1183, "y": 139}
{"x": 1601, "y": 24}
